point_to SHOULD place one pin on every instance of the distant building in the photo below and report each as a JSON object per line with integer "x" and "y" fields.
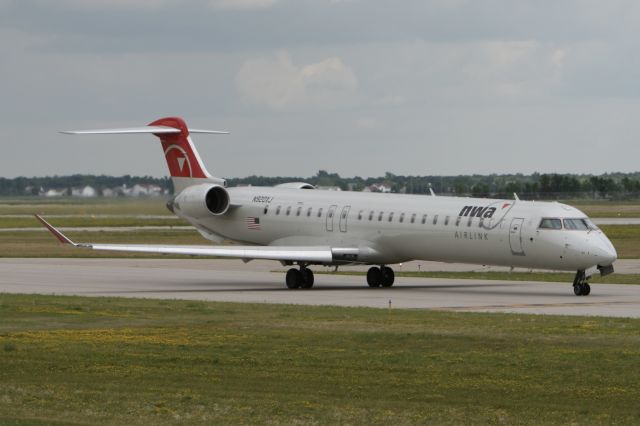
{"x": 85, "y": 192}
{"x": 377, "y": 187}
{"x": 54, "y": 193}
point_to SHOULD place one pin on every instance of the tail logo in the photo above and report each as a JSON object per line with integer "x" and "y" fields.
{"x": 177, "y": 159}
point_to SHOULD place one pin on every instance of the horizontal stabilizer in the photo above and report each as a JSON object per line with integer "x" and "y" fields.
{"x": 157, "y": 130}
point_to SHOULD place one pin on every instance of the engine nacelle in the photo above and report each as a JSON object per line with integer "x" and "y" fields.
{"x": 200, "y": 201}
{"x": 296, "y": 185}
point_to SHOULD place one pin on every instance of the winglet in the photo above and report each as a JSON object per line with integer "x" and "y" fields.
{"x": 59, "y": 235}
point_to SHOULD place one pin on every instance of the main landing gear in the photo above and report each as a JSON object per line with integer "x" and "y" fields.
{"x": 302, "y": 278}
{"x": 580, "y": 285}
{"x": 382, "y": 276}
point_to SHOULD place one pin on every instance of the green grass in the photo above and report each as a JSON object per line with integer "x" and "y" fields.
{"x": 131, "y": 361}
{"x": 626, "y": 209}
{"x": 43, "y": 244}
{"x": 90, "y": 221}
{"x": 79, "y": 206}
{"x": 625, "y": 238}
{"x": 507, "y": 276}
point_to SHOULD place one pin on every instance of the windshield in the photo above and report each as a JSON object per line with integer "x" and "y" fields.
{"x": 548, "y": 223}
{"x": 583, "y": 224}
{"x": 571, "y": 224}
{"x": 575, "y": 224}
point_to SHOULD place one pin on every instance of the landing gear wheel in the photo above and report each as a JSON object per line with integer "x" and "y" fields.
{"x": 581, "y": 289}
{"x": 306, "y": 275}
{"x": 294, "y": 278}
{"x": 374, "y": 277}
{"x": 580, "y": 285}
{"x": 387, "y": 276}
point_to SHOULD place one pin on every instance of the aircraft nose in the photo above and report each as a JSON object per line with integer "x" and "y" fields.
{"x": 605, "y": 251}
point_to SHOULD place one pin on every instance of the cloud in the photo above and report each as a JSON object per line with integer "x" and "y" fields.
{"x": 279, "y": 83}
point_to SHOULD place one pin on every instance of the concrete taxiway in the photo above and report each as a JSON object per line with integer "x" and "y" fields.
{"x": 229, "y": 280}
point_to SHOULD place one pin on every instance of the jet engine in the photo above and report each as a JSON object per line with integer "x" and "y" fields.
{"x": 200, "y": 201}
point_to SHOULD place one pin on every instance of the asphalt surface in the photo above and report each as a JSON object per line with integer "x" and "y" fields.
{"x": 231, "y": 280}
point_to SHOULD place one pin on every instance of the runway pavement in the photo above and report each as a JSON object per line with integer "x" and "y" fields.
{"x": 232, "y": 280}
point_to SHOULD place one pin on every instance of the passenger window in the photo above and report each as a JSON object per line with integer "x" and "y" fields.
{"x": 298, "y": 211}
{"x": 330, "y": 214}
{"x": 435, "y": 219}
{"x": 309, "y": 211}
{"x": 401, "y": 217}
{"x": 424, "y": 219}
{"x": 413, "y": 218}
{"x": 360, "y": 215}
{"x": 575, "y": 224}
{"x": 390, "y": 216}
{"x": 380, "y": 216}
{"x": 458, "y": 220}
{"x": 266, "y": 209}
{"x": 370, "y": 215}
{"x": 278, "y": 210}
{"x": 547, "y": 223}
{"x": 320, "y": 212}
{"x": 288, "y": 210}
{"x": 470, "y": 221}
{"x": 344, "y": 214}
{"x": 446, "y": 221}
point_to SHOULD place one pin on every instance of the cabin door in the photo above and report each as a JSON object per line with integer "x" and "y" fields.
{"x": 343, "y": 218}
{"x": 330, "y": 214}
{"x": 515, "y": 236}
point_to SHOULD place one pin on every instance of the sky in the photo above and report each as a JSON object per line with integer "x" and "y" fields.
{"x": 357, "y": 87}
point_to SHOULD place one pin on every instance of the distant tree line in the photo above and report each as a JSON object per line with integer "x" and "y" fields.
{"x": 534, "y": 186}
{"x": 25, "y": 186}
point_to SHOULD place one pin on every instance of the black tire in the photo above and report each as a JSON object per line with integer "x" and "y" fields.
{"x": 374, "y": 277}
{"x": 577, "y": 289}
{"x": 294, "y": 278}
{"x": 306, "y": 275}
{"x": 387, "y": 276}
{"x": 586, "y": 289}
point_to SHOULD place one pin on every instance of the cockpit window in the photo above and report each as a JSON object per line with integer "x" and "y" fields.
{"x": 591, "y": 225}
{"x": 576, "y": 224}
{"x": 548, "y": 223}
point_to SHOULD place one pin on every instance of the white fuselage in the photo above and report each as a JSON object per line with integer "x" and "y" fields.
{"x": 392, "y": 228}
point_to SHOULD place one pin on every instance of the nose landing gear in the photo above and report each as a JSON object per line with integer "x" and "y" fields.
{"x": 580, "y": 285}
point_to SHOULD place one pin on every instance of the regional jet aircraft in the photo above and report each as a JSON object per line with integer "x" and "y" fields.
{"x": 296, "y": 224}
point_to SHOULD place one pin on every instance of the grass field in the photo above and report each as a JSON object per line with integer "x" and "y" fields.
{"x": 625, "y": 238}
{"x": 131, "y": 361}
{"x": 43, "y": 244}
{"x": 91, "y": 221}
{"x": 624, "y": 209}
{"x": 79, "y": 206}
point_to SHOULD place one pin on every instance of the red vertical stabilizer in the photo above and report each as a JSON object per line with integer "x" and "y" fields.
{"x": 182, "y": 158}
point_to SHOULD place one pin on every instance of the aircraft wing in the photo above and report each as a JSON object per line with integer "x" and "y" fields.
{"x": 293, "y": 253}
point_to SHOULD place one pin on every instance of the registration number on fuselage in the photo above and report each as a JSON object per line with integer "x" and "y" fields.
{"x": 262, "y": 199}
